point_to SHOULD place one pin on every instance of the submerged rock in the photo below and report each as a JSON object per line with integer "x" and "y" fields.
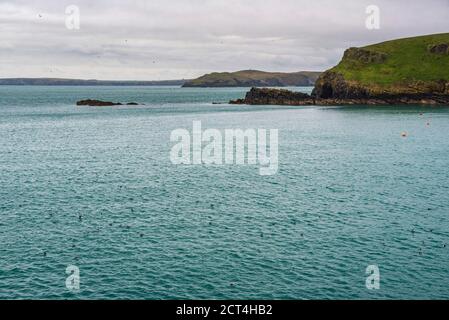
{"x": 99, "y": 103}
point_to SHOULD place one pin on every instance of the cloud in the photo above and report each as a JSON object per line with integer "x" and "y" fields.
{"x": 185, "y": 38}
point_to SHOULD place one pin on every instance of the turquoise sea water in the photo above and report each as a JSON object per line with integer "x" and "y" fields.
{"x": 95, "y": 188}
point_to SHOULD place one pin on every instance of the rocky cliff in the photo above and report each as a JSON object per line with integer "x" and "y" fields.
{"x": 266, "y": 96}
{"x": 405, "y": 71}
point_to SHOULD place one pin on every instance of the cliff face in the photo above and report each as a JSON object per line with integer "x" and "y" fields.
{"x": 254, "y": 78}
{"x": 405, "y": 71}
{"x": 266, "y": 96}
{"x": 411, "y": 67}
{"x": 332, "y": 85}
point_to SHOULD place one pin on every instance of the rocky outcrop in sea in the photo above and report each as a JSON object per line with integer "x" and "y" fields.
{"x": 266, "y": 96}
{"x": 99, "y": 103}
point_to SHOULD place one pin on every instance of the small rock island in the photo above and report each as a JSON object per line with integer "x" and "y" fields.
{"x": 99, "y": 103}
{"x": 405, "y": 71}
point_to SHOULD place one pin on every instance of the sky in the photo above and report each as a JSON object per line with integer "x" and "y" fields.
{"x": 182, "y": 39}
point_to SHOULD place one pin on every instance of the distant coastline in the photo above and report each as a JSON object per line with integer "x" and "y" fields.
{"x": 245, "y": 78}
{"x": 80, "y": 82}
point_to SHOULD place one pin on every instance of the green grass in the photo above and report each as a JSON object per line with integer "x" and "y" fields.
{"x": 408, "y": 61}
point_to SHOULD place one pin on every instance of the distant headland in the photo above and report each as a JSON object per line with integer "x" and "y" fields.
{"x": 405, "y": 71}
{"x": 254, "y": 78}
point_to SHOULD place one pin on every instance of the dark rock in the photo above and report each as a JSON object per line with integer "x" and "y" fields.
{"x": 441, "y": 48}
{"x": 332, "y": 88}
{"x": 97, "y": 103}
{"x": 238, "y": 101}
{"x": 333, "y": 85}
{"x": 266, "y": 96}
{"x": 390, "y": 99}
{"x": 364, "y": 56}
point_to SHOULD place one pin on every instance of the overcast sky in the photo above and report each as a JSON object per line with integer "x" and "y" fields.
{"x": 174, "y": 39}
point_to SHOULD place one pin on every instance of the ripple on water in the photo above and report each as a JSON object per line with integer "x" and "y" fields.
{"x": 95, "y": 188}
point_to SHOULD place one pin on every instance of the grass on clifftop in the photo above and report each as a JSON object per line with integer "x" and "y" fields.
{"x": 408, "y": 61}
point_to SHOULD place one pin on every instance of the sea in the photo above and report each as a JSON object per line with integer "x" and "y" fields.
{"x": 92, "y": 207}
